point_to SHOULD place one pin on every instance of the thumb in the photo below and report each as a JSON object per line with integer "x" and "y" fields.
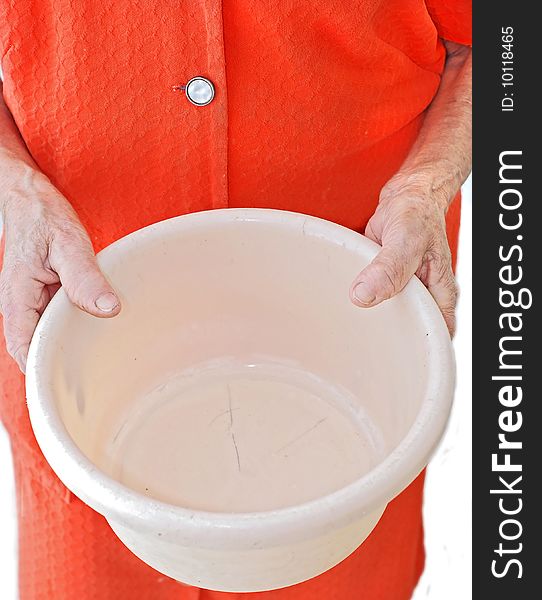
{"x": 385, "y": 276}
{"x": 82, "y": 280}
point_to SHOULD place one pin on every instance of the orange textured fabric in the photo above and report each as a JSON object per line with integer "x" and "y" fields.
{"x": 316, "y": 106}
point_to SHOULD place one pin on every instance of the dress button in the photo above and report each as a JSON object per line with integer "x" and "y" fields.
{"x": 200, "y": 91}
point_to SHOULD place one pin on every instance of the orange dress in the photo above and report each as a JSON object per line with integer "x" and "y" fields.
{"x": 316, "y": 105}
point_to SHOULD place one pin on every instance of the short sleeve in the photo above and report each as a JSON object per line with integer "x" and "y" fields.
{"x": 453, "y": 19}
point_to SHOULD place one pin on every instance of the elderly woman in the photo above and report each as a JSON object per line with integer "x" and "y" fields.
{"x": 120, "y": 114}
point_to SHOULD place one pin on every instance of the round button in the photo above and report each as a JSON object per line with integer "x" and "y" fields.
{"x": 200, "y": 91}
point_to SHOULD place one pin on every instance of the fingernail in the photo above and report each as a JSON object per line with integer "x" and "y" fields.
{"x": 107, "y": 302}
{"x": 363, "y": 293}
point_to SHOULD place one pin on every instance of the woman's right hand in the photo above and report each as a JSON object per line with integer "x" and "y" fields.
{"x": 45, "y": 247}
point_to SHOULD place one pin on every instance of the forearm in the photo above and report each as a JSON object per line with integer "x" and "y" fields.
{"x": 16, "y": 165}
{"x": 440, "y": 160}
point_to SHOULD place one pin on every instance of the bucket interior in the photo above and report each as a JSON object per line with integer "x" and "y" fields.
{"x": 238, "y": 376}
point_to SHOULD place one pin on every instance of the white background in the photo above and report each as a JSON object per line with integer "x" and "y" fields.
{"x": 447, "y": 507}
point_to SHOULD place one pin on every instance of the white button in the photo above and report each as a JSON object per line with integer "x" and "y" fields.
{"x": 200, "y": 91}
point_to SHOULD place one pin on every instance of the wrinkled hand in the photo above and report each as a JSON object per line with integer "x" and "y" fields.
{"x": 410, "y": 225}
{"x": 45, "y": 246}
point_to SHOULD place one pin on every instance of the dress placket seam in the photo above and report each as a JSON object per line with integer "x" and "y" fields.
{"x": 219, "y": 107}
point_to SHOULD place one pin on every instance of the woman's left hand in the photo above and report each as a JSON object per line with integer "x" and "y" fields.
{"x": 410, "y": 225}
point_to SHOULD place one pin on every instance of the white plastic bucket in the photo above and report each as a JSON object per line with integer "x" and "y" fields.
{"x": 241, "y": 424}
